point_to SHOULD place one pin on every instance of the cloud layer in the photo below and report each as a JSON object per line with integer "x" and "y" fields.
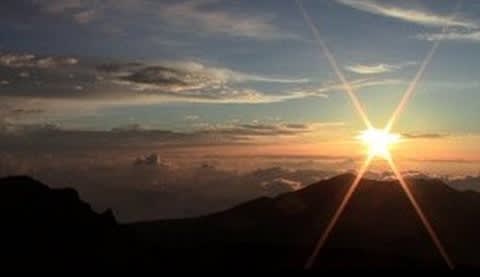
{"x": 192, "y": 16}
{"x": 417, "y": 16}
{"x": 32, "y": 61}
{"x": 369, "y": 69}
{"x": 53, "y": 83}
{"x": 188, "y": 79}
{"x": 51, "y": 77}
{"x": 201, "y": 16}
{"x": 48, "y": 137}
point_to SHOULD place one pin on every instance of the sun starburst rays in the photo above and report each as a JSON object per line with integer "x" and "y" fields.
{"x": 378, "y": 141}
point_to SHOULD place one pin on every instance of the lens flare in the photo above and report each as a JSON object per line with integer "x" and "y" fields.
{"x": 378, "y": 141}
{"x": 338, "y": 213}
{"x": 428, "y": 226}
{"x": 333, "y": 63}
{"x": 418, "y": 76}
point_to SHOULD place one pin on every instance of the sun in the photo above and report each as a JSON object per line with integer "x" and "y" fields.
{"x": 378, "y": 141}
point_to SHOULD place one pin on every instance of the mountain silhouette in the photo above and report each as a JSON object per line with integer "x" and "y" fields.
{"x": 51, "y": 229}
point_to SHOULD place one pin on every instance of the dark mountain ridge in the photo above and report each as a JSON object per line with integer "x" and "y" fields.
{"x": 54, "y": 230}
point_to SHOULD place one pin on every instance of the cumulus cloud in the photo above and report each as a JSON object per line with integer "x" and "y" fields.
{"x": 368, "y": 69}
{"x": 417, "y": 16}
{"x": 149, "y": 192}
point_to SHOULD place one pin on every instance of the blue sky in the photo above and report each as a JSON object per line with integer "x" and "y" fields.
{"x": 163, "y": 109}
{"x": 206, "y": 66}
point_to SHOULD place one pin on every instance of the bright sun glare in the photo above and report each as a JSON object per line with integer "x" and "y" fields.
{"x": 378, "y": 141}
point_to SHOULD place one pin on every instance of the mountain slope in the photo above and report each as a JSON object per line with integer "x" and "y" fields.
{"x": 378, "y": 229}
{"x": 51, "y": 229}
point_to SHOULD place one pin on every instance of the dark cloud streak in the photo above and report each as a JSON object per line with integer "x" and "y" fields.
{"x": 50, "y": 137}
{"x": 424, "y": 135}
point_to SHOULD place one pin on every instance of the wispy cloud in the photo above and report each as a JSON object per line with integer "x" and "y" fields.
{"x": 194, "y": 80}
{"x": 80, "y": 11}
{"x": 185, "y": 75}
{"x": 50, "y": 77}
{"x": 457, "y": 35}
{"x": 358, "y": 84}
{"x": 256, "y": 129}
{"x": 368, "y": 69}
{"x": 15, "y": 60}
{"x": 325, "y": 90}
{"x": 201, "y": 15}
{"x": 417, "y": 16}
{"x": 58, "y": 85}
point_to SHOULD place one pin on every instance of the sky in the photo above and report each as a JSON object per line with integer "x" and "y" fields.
{"x": 235, "y": 85}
